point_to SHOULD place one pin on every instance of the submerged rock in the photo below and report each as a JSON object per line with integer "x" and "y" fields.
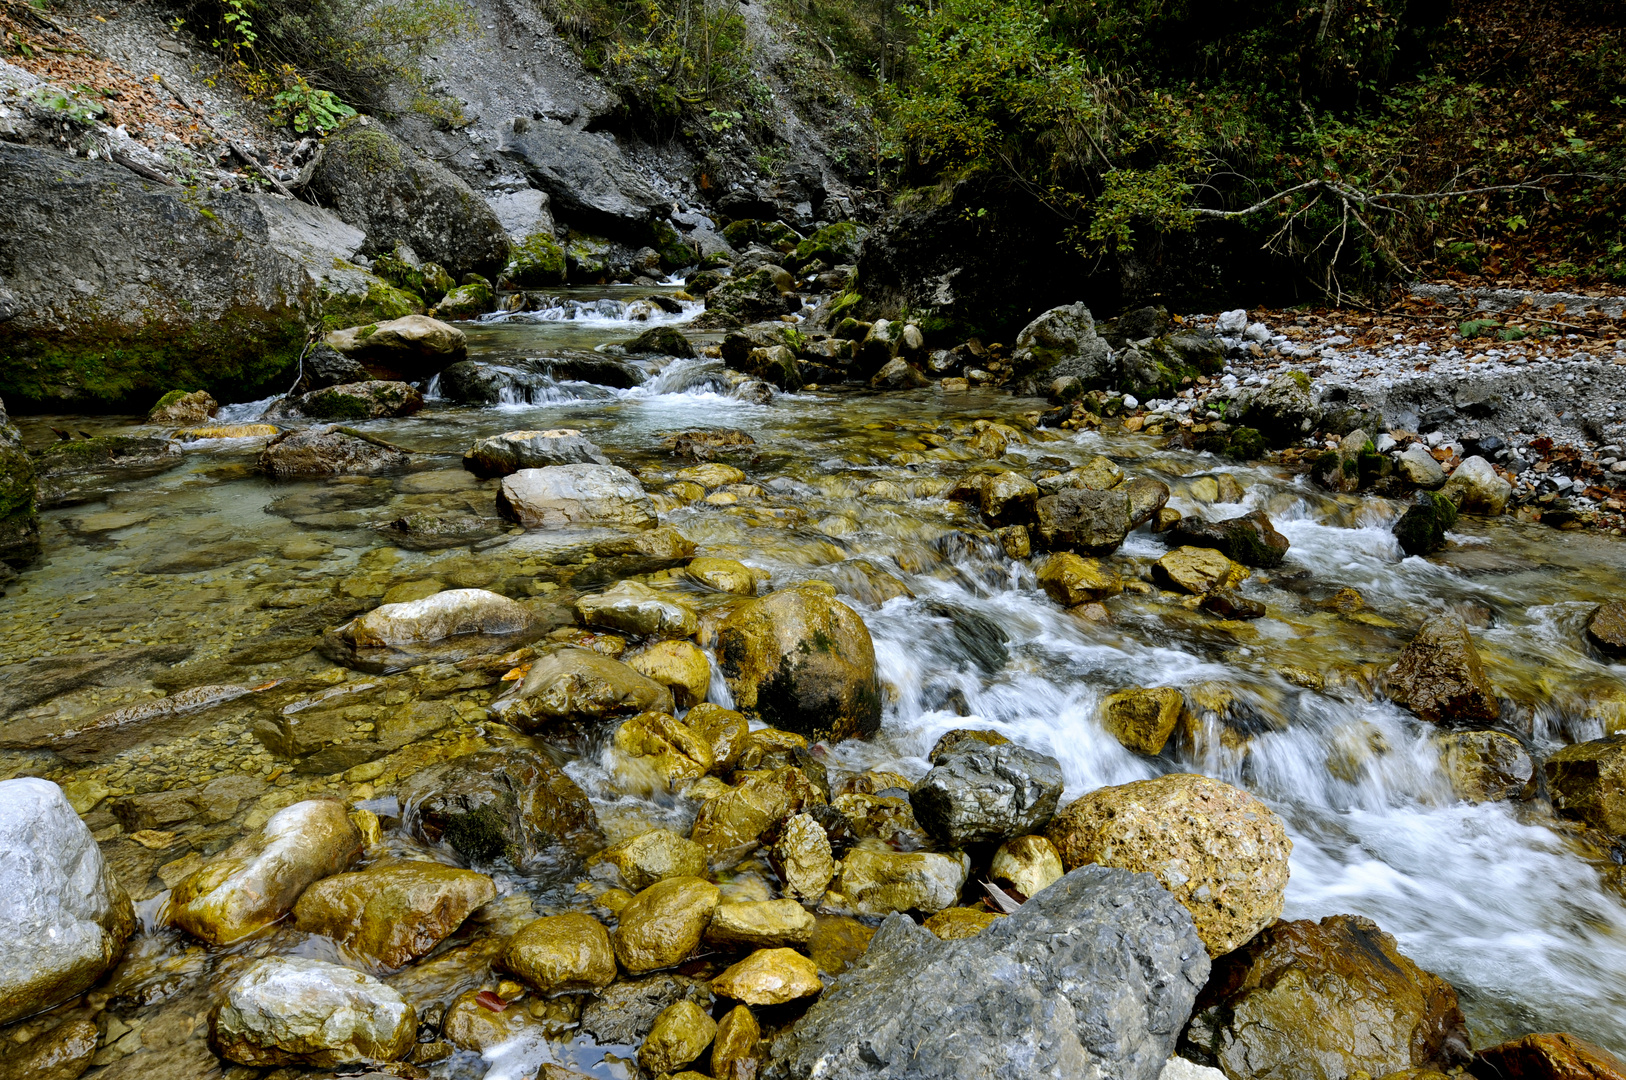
{"x": 256, "y": 881}
{"x": 1220, "y": 851}
{"x": 510, "y": 803}
{"x": 288, "y": 1010}
{"x": 1484, "y": 766}
{"x": 1321, "y": 1001}
{"x": 802, "y": 661}
{"x": 19, "y": 496}
{"x": 330, "y": 450}
{"x": 1587, "y": 783}
{"x": 393, "y": 912}
{"x": 1548, "y": 1057}
{"x": 65, "y": 917}
{"x": 982, "y": 794}
{"x": 1440, "y": 678}
{"x": 560, "y": 496}
{"x": 632, "y": 607}
{"x": 1012, "y": 995}
{"x": 1071, "y": 580}
{"x": 502, "y": 455}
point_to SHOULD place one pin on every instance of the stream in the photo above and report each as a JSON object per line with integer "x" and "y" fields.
{"x": 1514, "y": 908}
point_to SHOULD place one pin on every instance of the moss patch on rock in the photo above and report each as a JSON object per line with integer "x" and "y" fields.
{"x": 536, "y": 261}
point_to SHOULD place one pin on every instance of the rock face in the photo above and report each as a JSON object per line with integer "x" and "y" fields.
{"x": 561, "y": 496}
{"x": 1587, "y": 783}
{"x": 394, "y": 912}
{"x": 329, "y": 450}
{"x": 501, "y": 455}
{"x": 1220, "y": 851}
{"x": 1548, "y": 1057}
{"x": 510, "y": 803}
{"x": 1322, "y": 1000}
{"x": 1476, "y": 489}
{"x": 445, "y": 614}
{"x": 256, "y": 881}
{"x": 1439, "y": 676}
{"x": 1078, "y": 519}
{"x": 1250, "y": 539}
{"x": 228, "y": 312}
{"x": 287, "y": 1010}
{"x": 1605, "y": 628}
{"x": 1062, "y": 343}
{"x": 585, "y": 176}
{"x": 1092, "y": 979}
{"x": 803, "y": 662}
{"x": 983, "y": 794}
{"x": 374, "y": 182}
{"x": 65, "y": 917}
{"x": 580, "y": 685}
{"x": 19, "y": 513}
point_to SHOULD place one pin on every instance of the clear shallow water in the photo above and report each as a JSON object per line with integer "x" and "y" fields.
{"x": 1497, "y": 898}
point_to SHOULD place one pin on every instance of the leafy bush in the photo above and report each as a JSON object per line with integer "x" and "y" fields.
{"x": 306, "y": 109}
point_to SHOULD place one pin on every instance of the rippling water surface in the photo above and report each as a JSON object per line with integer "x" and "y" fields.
{"x": 1513, "y": 909}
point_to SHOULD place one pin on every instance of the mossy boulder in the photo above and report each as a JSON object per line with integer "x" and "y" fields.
{"x": 831, "y": 245}
{"x": 402, "y": 269}
{"x": 225, "y": 310}
{"x": 774, "y": 234}
{"x": 372, "y": 180}
{"x": 536, "y": 262}
{"x": 180, "y": 407}
{"x": 761, "y": 294}
{"x": 359, "y": 298}
{"x": 662, "y": 340}
{"x": 675, "y": 251}
{"x": 1421, "y": 529}
{"x": 802, "y": 661}
{"x": 468, "y": 301}
{"x": 362, "y": 401}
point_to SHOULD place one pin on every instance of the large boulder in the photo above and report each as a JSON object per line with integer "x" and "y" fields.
{"x": 289, "y": 1010}
{"x": 1476, "y": 489}
{"x": 501, "y": 455}
{"x": 1250, "y": 539}
{"x": 979, "y": 794}
{"x": 1440, "y": 678}
{"x": 64, "y": 916}
{"x": 393, "y": 911}
{"x": 1282, "y": 411}
{"x": 512, "y": 803}
{"x": 329, "y": 450}
{"x": 1587, "y": 782}
{"x": 190, "y": 287}
{"x": 1062, "y": 343}
{"x": 581, "y": 685}
{"x": 1220, "y": 851}
{"x": 376, "y": 183}
{"x": 256, "y": 881}
{"x": 412, "y": 347}
{"x": 1322, "y": 1001}
{"x": 1082, "y": 520}
{"x": 1092, "y": 978}
{"x": 1548, "y": 1057}
{"x": 585, "y": 176}
{"x": 368, "y": 400}
{"x": 560, "y": 496}
{"x": 445, "y": 614}
{"x": 1421, "y": 529}
{"x": 802, "y": 661}
{"x": 19, "y": 511}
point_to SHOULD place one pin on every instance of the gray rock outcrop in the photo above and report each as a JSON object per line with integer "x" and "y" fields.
{"x": 1092, "y": 979}
{"x": 584, "y": 174}
{"x": 1062, "y": 343}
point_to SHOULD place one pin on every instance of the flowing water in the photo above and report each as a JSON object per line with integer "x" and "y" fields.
{"x": 1516, "y": 910}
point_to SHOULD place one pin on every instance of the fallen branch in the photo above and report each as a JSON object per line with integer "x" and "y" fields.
{"x": 248, "y": 159}
{"x": 121, "y": 158}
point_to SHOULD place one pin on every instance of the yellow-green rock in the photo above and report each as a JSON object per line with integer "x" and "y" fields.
{"x": 881, "y": 882}
{"x": 665, "y": 745}
{"x": 952, "y": 924}
{"x": 633, "y": 608}
{"x": 655, "y": 856}
{"x": 1142, "y": 719}
{"x": 1071, "y": 580}
{"x": 736, "y": 1045}
{"x": 562, "y": 952}
{"x": 663, "y": 924}
{"x": 803, "y": 859}
{"x": 1027, "y": 864}
{"x": 725, "y": 729}
{"x": 679, "y": 666}
{"x": 724, "y": 575}
{"x": 1484, "y": 766}
{"x": 760, "y": 924}
{"x": 393, "y": 911}
{"x": 1198, "y": 570}
{"x": 741, "y": 815}
{"x": 681, "y": 1034}
{"x": 769, "y": 977}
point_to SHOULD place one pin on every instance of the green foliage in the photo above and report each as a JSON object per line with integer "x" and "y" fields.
{"x": 305, "y": 109}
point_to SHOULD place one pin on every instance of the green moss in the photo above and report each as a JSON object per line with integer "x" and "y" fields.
{"x": 1246, "y": 444}
{"x": 845, "y": 303}
{"x": 675, "y": 251}
{"x": 481, "y": 835}
{"x": 833, "y": 244}
{"x": 466, "y": 301}
{"x": 169, "y": 399}
{"x": 381, "y": 303}
{"x": 1301, "y": 378}
{"x": 740, "y": 233}
{"x": 537, "y": 261}
{"x": 17, "y": 484}
{"x": 329, "y": 405}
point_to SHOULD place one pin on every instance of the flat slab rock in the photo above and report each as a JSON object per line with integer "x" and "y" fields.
{"x": 1092, "y": 979}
